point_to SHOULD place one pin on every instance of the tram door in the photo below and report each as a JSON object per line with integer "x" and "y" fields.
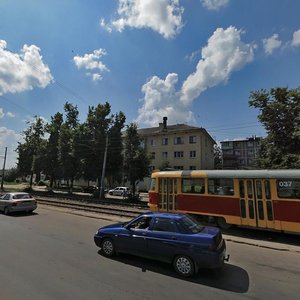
{"x": 247, "y": 202}
{"x": 264, "y": 205}
{"x": 255, "y": 203}
{"x": 167, "y": 194}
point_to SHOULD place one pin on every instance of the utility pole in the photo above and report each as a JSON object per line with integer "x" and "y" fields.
{"x": 103, "y": 169}
{"x": 2, "y": 179}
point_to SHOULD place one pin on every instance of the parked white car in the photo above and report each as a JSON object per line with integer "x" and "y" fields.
{"x": 119, "y": 191}
{"x": 13, "y": 202}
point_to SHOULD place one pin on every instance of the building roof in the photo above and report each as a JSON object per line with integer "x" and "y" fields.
{"x": 254, "y": 138}
{"x": 171, "y": 129}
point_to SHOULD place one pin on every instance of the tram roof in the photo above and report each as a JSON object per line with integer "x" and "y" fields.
{"x": 232, "y": 173}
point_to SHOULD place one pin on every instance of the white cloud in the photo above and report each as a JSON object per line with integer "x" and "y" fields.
{"x": 9, "y": 138}
{"x": 224, "y": 54}
{"x": 10, "y": 114}
{"x": 92, "y": 62}
{"x": 24, "y": 71}
{"x": 161, "y": 99}
{"x": 162, "y": 16}
{"x": 296, "y": 38}
{"x": 214, "y": 4}
{"x": 271, "y": 44}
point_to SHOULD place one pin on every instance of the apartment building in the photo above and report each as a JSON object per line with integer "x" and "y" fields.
{"x": 240, "y": 154}
{"x": 179, "y": 146}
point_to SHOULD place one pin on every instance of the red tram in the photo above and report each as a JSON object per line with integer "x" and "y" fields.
{"x": 266, "y": 199}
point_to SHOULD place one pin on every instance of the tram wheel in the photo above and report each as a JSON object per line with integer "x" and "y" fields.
{"x": 223, "y": 224}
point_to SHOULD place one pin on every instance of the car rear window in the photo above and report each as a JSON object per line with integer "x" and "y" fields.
{"x": 191, "y": 225}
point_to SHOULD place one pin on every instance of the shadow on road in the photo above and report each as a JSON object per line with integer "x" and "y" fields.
{"x": 22, "y": 214}
{"x": 230, "y": 278}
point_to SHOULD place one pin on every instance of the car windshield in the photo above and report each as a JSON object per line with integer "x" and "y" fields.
{"x": 191, "y": 224}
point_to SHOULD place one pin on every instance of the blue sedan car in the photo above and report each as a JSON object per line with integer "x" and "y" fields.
{"x": 169, "y": 237}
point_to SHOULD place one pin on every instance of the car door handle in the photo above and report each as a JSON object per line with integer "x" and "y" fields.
{"x": 174, "y": 238}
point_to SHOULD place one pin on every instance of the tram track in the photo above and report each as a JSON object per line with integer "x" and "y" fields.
{"x": 108, "y": 209}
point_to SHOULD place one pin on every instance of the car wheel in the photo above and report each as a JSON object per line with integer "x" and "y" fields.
{"x": 184, "y": 266}
{"x": 108, "y": 248}
{"x": 6, "y": 211}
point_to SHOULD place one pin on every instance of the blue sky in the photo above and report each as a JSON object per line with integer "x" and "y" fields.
{"x": 194, "y": 61}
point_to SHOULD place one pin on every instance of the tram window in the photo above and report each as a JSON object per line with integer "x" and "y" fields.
{"x": 288, "y": 188}
{"x": 160, "y": 185}
{"x": 251, "y": 209}
{"x": 170, "y": 181}
{"x": 165, "y": 185}
{"x": 193, "y": 185}
{"x": 153, "y": 184}
{"x": 269, "y": 210}
{"x": 258, "y": 189}
{"x": 242, "y": 189}
{"x": 250, "y": 189}
{"x": 267, "y": 189}
{"x": 220, "y": 186}
{"x": 260, "y": 210}
{"x": 243, "y": 208}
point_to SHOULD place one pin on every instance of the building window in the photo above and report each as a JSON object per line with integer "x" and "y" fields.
{"x": 152, "y": 155}
{"x": 178, "y": 167}
{"x": 164, "y": 141}
{"x": 237, "y": 152}
{"x": 165, "y": 155}
{"x": 192, "y": 154}
{"x": 153, "y": 142}
{"x": 178, "y": 154}
{"x": 192, "y": 139}
{"x": 192, "y": 167}
{"x": 178, "y": 140}
{"x": 250, "y": 152}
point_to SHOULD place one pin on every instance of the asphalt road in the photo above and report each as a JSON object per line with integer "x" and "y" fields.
{"x": 51, "y": 255}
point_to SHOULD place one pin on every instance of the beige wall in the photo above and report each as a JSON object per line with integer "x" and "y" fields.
{"x": 203, "y": 148}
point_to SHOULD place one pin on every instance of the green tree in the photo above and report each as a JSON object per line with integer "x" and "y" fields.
{"x": 280, "y": 115}
{"x": 30, "y": 152}
{"x": 69, "y": 162}
{"x": 114, "y": 163}
{"x": 52, "y": 167}
{"x": 136, "y": 161}
{"x": 217, "y": 157}
{"x": 96, "y": 129}
{"x": 11, "y": 174}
